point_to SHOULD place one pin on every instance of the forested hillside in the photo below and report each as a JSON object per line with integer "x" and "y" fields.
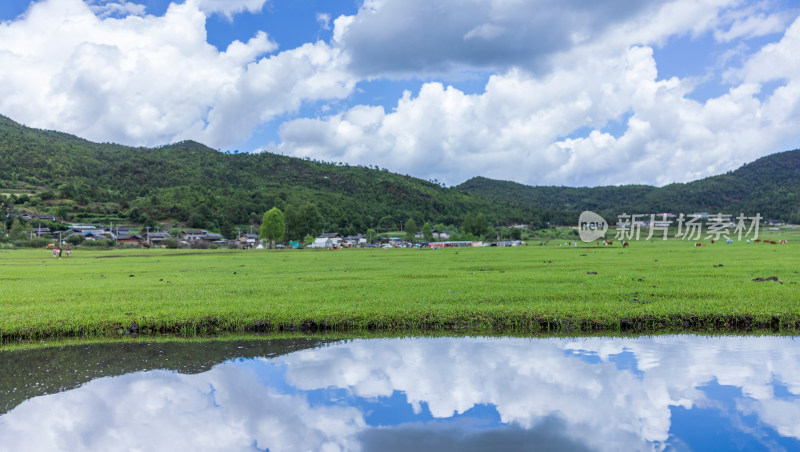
{"x": 769, "y": 186}
{"x": 191, "y": 184}
{"x": 52, "y": 172}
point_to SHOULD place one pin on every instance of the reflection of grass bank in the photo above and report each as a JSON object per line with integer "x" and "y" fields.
{"x": 649, "y": 287}
{"x": 69, "y": 366}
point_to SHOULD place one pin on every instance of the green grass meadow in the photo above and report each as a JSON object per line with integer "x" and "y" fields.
{"x": 650, "y": 286}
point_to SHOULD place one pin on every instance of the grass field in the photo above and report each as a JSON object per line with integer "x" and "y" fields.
{"x": 651, "y": 286}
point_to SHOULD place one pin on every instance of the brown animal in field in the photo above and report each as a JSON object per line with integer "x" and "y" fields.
{"x": 625, "y": 244}
{"x": 699, "y": 244}
{"x": 607, "y": 242}
{"x": 783, "y": 242}
{"x": 771, "y": 242}
{"x": 757, "y": 240}
{"x": 712, "y": 241}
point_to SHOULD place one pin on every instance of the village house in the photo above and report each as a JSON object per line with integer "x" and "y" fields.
{"x": 84, "y": 226}
{"x": 95, "y": 235}
{"x": 211, "y": 237}
{"x": 38, "y": 232}
{"x": 130, "y": 239}
{"x": 322, "y": 243}
{"x": 335, "y": 238}
{"x": 158, "y": 238}
{"x": 248, "y": 241}
{"x": 122, "y": 229}
{"x": 193, "y": 235}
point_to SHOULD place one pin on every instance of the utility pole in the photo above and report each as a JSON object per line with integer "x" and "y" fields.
{"x": 148, "y": 234}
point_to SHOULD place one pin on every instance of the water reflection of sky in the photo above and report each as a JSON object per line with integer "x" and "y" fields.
{"x": 658, "y": 393}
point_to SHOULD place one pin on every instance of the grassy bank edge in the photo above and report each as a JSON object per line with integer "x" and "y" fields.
{"x": 472, "y": 324}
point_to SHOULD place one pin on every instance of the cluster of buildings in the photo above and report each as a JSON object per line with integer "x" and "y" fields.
{"x": 334, "y": 240}
{"x": 131, "y": 235}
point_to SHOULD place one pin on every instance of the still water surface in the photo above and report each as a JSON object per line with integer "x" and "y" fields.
{"x": 648, "y": 393}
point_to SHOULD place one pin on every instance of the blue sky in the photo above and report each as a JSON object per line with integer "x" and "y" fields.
{"x": 539, "y": 92}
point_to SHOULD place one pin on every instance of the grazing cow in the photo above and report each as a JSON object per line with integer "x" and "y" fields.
{"x": 712, "y": 241}
{"x": 699, "y": 244}
{"x": 757, "y": 240}
{"x": 771, "y": 242}
{"x": 625, "y": 244}
{"x": 783, "y": 242}
{"x": 607, "y": 242}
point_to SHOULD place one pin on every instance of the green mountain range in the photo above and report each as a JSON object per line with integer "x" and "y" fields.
{"x": 769, "y": 186}
{"x": 191, "y": 184}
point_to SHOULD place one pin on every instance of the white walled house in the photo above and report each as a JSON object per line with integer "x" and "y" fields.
{"x": 322, "y": 243}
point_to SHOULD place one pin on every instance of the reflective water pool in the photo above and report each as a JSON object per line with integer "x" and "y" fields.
{"x": 650, "y": 393}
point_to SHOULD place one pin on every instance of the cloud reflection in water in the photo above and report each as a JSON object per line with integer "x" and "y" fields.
{"x": 437, "y": 394}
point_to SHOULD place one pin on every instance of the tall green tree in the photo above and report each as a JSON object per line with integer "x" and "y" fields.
{"x": 481, "y": 227}
{"x": 427, "y": 232}
{"x": 273, "y": 226}
{"x": 468, "y": 225}
{"x": 371, "y": 234}
{"x": 227, "y": 230}
{"x": 411, "y": 230}
{"x": 475, "y": 225}
{"x": 306, "y": 220}
{"x": 290, "y": 215}
{"x": 17, "y": 229}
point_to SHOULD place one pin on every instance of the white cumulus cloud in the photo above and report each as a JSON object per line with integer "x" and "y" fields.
{"x": 147, "y": 80}
{"x": 225, "y": 409}
{"x": 545, "y": 122}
